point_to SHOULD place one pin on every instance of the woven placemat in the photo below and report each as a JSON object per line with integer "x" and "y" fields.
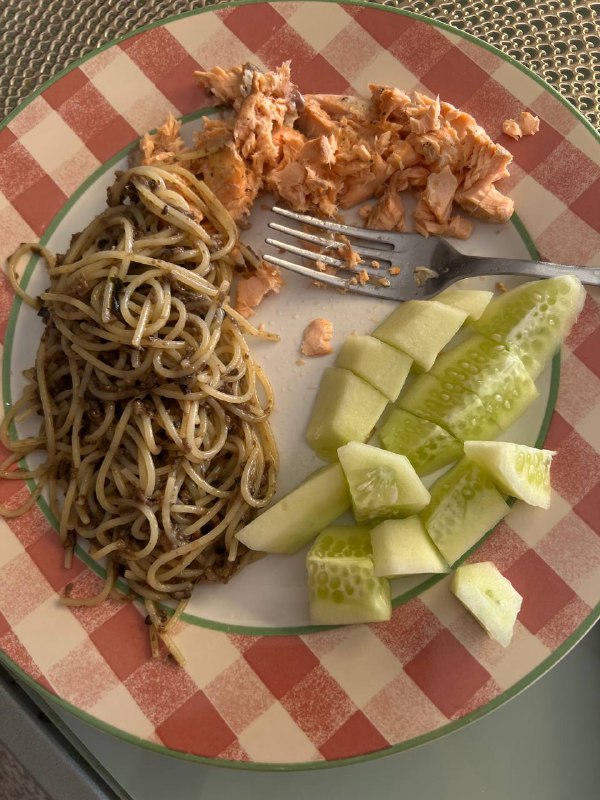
{"x": 560, "y": 41}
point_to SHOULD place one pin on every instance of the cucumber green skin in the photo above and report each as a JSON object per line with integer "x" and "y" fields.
{"x": 421, "y": 328}
{"x": 465, "y": 505}
{"x": 533, "y": 319}
{"x": 490, "y": 371}
{"x": 346, "y": 409}
{"x": 473, "y": 301}
{"x": 384, "y": 367}
{"x": 427, "y": 446}
{"x": 295, "y": 520}
{"x": 452, "y": 407}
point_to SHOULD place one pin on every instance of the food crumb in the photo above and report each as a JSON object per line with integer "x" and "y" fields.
{"x": 423, "y": 274}
{"x": 383, "y": 282}
{"x": 300, "y": 362}
{"x": 316, "y": 338}
{"x": 375, "y": 264}
{"x": 364, "y": 211}
{"x": 363, "y": 277}
{"x": 526, "y": 125}
{"x": 501, "y": 286}
{"x": 395, "y": 270}
{"x": 320, "y": 265}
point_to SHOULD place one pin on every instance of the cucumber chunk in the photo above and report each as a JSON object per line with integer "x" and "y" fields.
{"x": 490, "y": 597}
{"x": 427, "y": 446}
{"x": 382, "y": 366}
{"x": 382, "y": 484}
{"x": 464, "y": 505}
{"x": 473, "y": 301}
{"x": 420, "y": 328}
{"x": 403, "y": 547}
{"x": 533, "y": 319}
{"x": 490, "y": 371}
{"x": 516, "y": 469}
{"x": 346, "y": 409}
{"x": 342, "y": 586}
{"x": 289, "y": 524}
{"x": 452, "y": 407}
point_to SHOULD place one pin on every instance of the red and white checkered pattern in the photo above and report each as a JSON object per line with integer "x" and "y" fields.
{"x": 345, "y": 692}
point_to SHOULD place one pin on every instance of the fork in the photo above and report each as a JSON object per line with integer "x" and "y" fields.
{"x": 404, "y": 250}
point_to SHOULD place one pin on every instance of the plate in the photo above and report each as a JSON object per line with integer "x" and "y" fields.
{"x": 261, "y": 687}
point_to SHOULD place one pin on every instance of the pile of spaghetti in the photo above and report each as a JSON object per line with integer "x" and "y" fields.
{"x": 155, "y": 440}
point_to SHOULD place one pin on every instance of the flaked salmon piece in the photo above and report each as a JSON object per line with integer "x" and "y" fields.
{"x": 364, "y": 185}
{"x": 288, "y": 183}
{"x": 461, "y": 122}
{"x": 427, "y": 118}
{"x": 439, "y": 194}
{"x": 427, "y": 225}
{"x": 290, "y": 142}
{"x": 215, "y": 134}
{"x": 164, "y": 144}
{"x": 388, "y": 212}
{"x": 251, "y": 290}
{"x": 526, "y": 125}
{"x": 410, "y": 178}
{"x": 487, "y": 161}
{"x": 224, "y": 84}
{"x": 348, "y": 253}
{"x": 484, "y": 201}
{"x": 313, "y": 121}
{"x": 339, "y": 106}
{"x": 316, "y": 339}
{"x": 390, "y": 102}
{"x": 319, "y": 152}
{"x": 229, "y": 177}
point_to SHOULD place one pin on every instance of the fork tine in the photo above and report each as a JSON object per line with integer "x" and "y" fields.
{"x": 382, "y": 237}
{"x": 312, "y": 256}
{"x": 333, "y": 280}
{"x": 331, "y": 244}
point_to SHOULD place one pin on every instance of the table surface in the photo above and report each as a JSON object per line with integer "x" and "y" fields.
{"x": 544, "y": 743}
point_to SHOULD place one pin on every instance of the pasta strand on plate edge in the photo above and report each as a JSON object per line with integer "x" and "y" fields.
{"x": 155, "y": 435}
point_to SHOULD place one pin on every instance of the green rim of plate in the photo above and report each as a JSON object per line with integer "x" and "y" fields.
{"x": 520, "y": 685}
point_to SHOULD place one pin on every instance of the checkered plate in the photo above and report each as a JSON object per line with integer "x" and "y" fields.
{"x": 261, "y": 691}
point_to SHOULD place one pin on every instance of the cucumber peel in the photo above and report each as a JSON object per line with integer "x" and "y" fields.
{"x": 384, "y": 367}
{"x": 292, "y": 522}
{"x": 403, "y": 547}
{"x": 346, "y": 409}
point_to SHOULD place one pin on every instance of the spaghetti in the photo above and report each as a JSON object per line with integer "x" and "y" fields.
{"x": 155, "y": 434}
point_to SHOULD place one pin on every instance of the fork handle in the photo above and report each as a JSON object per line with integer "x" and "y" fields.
{"x": 480, "y": 265}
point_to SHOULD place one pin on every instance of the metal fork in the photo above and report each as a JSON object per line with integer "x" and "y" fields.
{"x": 404, "y": 250}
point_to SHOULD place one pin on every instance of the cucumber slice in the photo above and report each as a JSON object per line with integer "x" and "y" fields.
{"x": 427, "y": 446}
{"x": 533, "y": 319}
{"x": 342, "y": 586}
{"x": 516, "y": 469}
{"x": 346, "y": 409}
{"x": 490, "y": 371}
{"x": 464, "y": 505}
{"x": 382, "y": 484}
{"x": 450, "y": 406}
{"x": 420, "y": 328}
{"x": 473, "y": 301}
{"x": 382, "y": 366}
{"x": 403, "y": 547}
{"x": 293, "y": 521}
{"x": 490, "y": 597}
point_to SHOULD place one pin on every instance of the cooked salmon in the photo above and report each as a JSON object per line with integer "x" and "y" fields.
{"x": 322, "y": 153}
{"x": 251, "y": 290}
{"x": 526, "y": 125}
{"x": 316, "y": 339}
